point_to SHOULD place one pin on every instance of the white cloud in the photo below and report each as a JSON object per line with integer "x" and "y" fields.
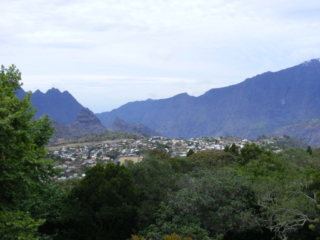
{"x": 215, "y": 43}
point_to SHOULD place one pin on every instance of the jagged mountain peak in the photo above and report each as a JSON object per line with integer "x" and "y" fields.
{"x": 38, "y": 92}
{"x": 53, "y": 90}
{"x": 66, "y": 93}
{"x": 61, "y": 107}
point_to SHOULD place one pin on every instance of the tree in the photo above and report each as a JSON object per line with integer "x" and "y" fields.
{"x": 212, "y": 158}
{"x": 24, "y": 173}
{"x": 155, "y": 178}
{"x": 309, "y": 150}
{"x": 250, "y": 152}
{"x": 159, "y": 153}
{"x": 266, "y": 165}
{"x": 190, "y": 152}
{"x": 103, "y": 205}
{"x": 234, "y": 149}
{"x": 285, "y": 185}
{"x": 226, "y": 148}
{"x": 208, "y": 205}
{"x": 173, "y": 236}
{"x": 175, "y": 164}
{"x": 180, "y": 164}
{"x": 68, "y": 184}
{"x": 285, "y": 207}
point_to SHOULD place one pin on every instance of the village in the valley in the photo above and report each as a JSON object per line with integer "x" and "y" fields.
{"x": 76, "y": 158}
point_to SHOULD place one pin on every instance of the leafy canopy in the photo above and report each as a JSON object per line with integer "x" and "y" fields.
{"x": 103, "y": 205}
{"x": 24, "y": 173}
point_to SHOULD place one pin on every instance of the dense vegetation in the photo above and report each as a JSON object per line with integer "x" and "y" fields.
{"x": 247, "y": 193}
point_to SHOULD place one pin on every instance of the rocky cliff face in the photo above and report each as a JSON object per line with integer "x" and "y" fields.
{"x": 121, "y": 126}
{"x": 86, "y": 123}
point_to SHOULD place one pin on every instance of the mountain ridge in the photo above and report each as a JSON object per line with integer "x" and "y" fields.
{"x": 271, "y": 102}
{"x": 254, "y": 107}
{"x": 59, "y": 106}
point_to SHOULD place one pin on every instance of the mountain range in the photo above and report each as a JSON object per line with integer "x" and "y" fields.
{"x": 71, "y": 119}
{"x": 283, "y": 102}
{"x": 259, "y": 105}
{"x": 61, "y": 107}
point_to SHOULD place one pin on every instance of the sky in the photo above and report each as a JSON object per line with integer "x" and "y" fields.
{"x": 107, "y": 53}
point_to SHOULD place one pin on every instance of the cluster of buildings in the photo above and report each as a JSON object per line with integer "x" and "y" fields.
{"x": 76, "y": 159}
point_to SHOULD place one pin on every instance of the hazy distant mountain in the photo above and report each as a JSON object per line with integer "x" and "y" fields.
{"x": 86, "y": 123}
{"x": 121, "y": 126}
{"x": 60, "y": 106}
{"x": 257, "y": 106}
{"x": 306, "y": 131}
{"x": 284, "y": 141}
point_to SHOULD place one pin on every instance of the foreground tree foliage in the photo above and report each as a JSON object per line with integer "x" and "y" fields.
{"x": 212, "y": 159}
{"x": 255, "y": 195}
{"x": 159, "y": 153}
{"x": 173, "y": 236}
{"x": 281, "y": 182}
{"x": 25, "y": 176}
{"x": 208, "y": 205}
{"x": 155, "y": 178}
{"x": 103, "y": 205}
